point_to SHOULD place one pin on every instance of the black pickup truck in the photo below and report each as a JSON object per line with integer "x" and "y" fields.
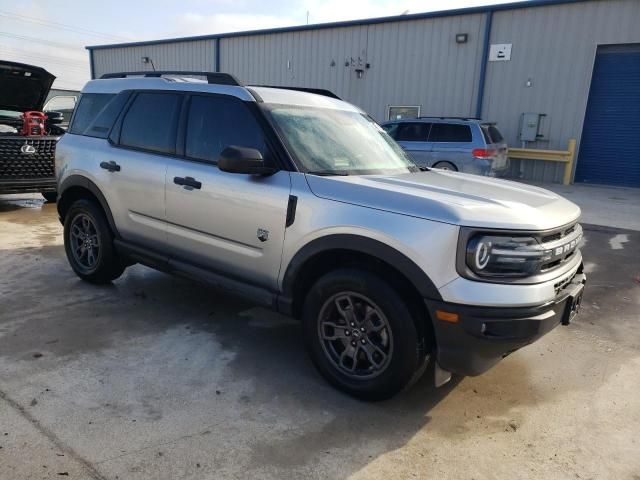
{"x": 27, "y": 155}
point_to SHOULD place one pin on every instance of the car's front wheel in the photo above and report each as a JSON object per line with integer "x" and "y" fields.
{"x": 88, "y": 243}
{"x": 361, "y": 334}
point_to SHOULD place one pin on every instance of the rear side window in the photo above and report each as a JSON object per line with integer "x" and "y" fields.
{"x": 450, "y": 132}
{"x": 412, "y": 132}
{"x": 216, "y": 123}
{"x": 150, "y": 123}
{"x": 88, "y": 108}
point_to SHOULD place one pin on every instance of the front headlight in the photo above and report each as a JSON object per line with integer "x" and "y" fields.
{"x": 505, "y": 256}
{"x": 508, "y": 256}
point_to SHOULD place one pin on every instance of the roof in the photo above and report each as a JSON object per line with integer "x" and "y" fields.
{"x": 246, "y": 93}
{"x": 369, "y": 21}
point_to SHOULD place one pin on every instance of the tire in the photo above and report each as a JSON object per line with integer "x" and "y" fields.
{"x": 50, "y": 197}
{"x": 368, "y": 375}
{"x": 88, "y": 243}
{"x": 446, "y": 166}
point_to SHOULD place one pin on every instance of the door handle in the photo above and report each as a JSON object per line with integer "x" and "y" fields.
{"x": 187, "y": 182}
{"x": 111, "y": 166}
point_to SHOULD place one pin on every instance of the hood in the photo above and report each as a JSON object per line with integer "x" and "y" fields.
{"x": 452, "y": 197}
{"x": 23, "y": 87}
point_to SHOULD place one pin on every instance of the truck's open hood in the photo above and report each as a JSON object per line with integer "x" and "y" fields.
{"x": 23, "y": 87}
{"x": 452, "y": 197}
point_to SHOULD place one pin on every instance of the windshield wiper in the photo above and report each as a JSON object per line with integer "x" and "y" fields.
{"x": 327, "y": 173}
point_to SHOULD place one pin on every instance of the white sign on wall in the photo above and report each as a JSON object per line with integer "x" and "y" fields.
{"x": 500, "y": 52}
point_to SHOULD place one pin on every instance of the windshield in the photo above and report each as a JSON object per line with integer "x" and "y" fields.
{"x": 337, "y": 142}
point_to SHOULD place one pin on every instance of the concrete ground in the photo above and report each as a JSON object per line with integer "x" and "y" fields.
{"x": 601, "y": 205}
{"x": 156, "y": 377}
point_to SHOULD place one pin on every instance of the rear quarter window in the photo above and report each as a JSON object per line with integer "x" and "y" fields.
{"x": 450, "y": 132}
{"x": 89, "y": 106}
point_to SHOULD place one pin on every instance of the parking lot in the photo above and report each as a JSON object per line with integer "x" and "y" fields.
{"x": 157, "y": 377}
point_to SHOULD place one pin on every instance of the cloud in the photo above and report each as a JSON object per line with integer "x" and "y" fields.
{"x": 197, "y": 24}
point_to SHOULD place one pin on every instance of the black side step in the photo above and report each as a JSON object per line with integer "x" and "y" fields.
{"x": 168, "y": 264}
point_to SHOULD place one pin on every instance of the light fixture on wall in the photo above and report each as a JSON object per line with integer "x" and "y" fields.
{"x": 462, "y": 37}
{"x": 149, "y": 60}
{"x": 529, "y": 83}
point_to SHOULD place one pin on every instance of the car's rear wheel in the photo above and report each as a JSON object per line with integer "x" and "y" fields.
{"x": 445, "y": 166}
{"x": 361, "y": 335}
{"x": 88, "y": 243}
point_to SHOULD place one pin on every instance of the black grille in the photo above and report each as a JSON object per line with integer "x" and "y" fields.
{"x": 15, "y": 164}
{"x": 558, "y": 235}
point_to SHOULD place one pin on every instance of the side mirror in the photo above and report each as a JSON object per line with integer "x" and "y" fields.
{"x": 243, "y": 160}
{"x": 54, "y": 118}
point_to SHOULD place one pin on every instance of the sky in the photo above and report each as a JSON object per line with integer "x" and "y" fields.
{"x": 53, "y": 34}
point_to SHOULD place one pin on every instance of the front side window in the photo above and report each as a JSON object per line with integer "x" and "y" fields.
{"x": 450, "y": 132}
{"x": 216, "y": 123}
{"x": 150, "y": 122}
{"x": 412, "y": 132}
{"x": 328, "y": 141}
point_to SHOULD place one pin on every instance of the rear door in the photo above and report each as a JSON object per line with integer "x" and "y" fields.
{"x": 412, "y": 137}
{"x": 452, "y": 143}
{"x": 230, "y": 223}
{"x": 134, "y": 164}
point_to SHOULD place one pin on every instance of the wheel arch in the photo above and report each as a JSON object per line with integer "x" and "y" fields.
{"x": 75, "y": 187}
{"x": 324, "y": 254}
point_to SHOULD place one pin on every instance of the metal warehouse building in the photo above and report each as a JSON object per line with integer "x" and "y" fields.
{"x": 572, "y": 65}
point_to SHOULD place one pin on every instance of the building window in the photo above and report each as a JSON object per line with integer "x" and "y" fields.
{"x": 398, "y": 112}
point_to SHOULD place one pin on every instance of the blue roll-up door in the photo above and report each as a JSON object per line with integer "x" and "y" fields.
{"x": 610, "y": 144}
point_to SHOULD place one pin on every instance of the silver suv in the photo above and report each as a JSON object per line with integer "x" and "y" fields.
{"x": 302, "y": 203}
{"x": 452, "y": 143}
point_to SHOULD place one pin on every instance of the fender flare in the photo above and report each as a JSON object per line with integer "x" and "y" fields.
{"x": 389, "y": 255}
{"x": 84, "y": 182}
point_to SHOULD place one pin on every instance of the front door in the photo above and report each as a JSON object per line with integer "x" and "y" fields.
{"x": 231, "y": 223}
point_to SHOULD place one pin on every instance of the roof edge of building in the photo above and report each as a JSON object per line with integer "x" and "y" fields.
{"x": 347, "y": 23}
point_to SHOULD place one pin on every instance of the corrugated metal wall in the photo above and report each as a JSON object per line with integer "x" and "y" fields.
{"x": 411, "y": 63}
{"x": 192, "y": 55}
{"x": 418, "y": 62}
{"x": 555, "y": 47}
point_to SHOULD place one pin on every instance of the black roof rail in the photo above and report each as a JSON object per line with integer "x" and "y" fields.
{"x": 212, "y": 77}
{"x": 317, "y": 91}
{"x": 450, "y": 118}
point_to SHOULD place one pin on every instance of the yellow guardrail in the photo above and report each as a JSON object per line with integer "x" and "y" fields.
{"x": 565, "y": 156}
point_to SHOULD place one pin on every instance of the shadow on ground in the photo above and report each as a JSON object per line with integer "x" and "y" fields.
{"x": 155, "y": 369}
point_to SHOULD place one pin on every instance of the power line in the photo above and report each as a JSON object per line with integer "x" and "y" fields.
{"x": 47, "y": 58}
{"x": 50, "y": 63}
{"x": 58, "y": 25}
{"x": 39, "y": 40}
{"x": 43, "y": 55}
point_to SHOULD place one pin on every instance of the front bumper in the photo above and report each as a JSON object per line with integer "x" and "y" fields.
{"x": 473, "y": 339}
{"x": 32, "y": 185}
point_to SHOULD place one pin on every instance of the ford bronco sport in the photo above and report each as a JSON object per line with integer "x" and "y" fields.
{"x": 302, "y": 203}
